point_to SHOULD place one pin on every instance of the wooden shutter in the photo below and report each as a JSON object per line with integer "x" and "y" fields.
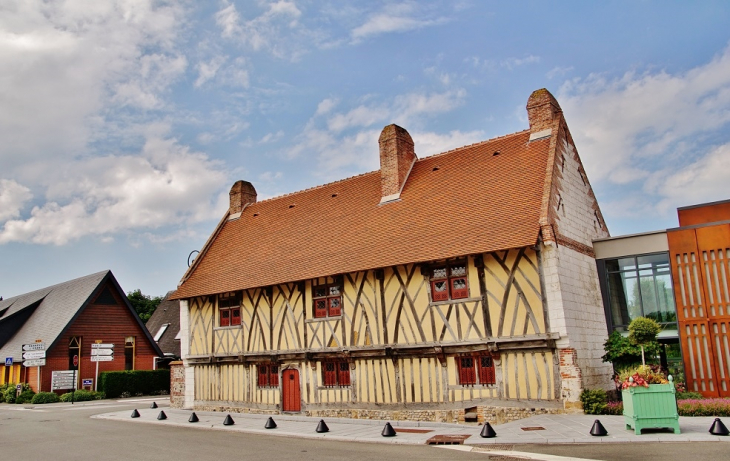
{"x": 320, "y": 308}
{"x": 458, "y": 288}
{"x": 486, "y": 370}
{"x": 335, "y": 306}
{"x": 329, "y": 370}
{"x": 236, "y": 316}
{"x": 274, "y": 375}
{"x": 263, "y": 374}
{"x": 439, "y": 290}
{"x": 467, "y": 374}
{"x": 225, "y": 317}
{"x": 343, "y": 377}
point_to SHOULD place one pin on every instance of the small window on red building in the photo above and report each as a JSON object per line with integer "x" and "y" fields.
{"x": 449, "y": 282}
{"x": 327, "y": 300}
{"x": 335, "y": 373}
{"x": 229, "y": 309}
{"x": 268, "y": 375}
{"x": 476, "y": 369}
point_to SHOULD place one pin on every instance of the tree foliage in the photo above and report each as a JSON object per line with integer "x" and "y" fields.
{"x": 643, "y": 331}
{"x": 144, "y": 305}
{"x": 622, "y": 353}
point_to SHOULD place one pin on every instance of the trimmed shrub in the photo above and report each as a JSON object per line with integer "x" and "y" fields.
{"x": 613, "y": 408}
{"x": 82, "y": 395}
{"x": 689, "y": 395}
{"x": 45, "y": 397}
{"x": 25, "y": 397}
{"x": 135, "y": 382}
{"x": 594, "y": 401}
{"x": 8, "y": 395}
{"x": 704, "y": 407}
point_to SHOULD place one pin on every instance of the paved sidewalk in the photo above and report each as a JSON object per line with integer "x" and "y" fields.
{"x": 545, "y": 429}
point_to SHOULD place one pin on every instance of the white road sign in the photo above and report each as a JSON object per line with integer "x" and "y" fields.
{"x": 102, "y": 346}
{"x": 63, "y": 379}
{"x": 102, "y": 358}
{"x": 102, "y": 352}
{"x": 34, "y": 363}
{"x": 30, "y": 355}
{"x": 34, "y": 347}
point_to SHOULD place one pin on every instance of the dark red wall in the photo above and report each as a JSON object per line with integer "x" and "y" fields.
{"x": 105, "y": 322}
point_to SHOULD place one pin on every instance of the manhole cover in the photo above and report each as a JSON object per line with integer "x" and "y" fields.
{"x": 447, "y": 439}
{"x": 413, "y": 431}
{"x": 533, "y": 428}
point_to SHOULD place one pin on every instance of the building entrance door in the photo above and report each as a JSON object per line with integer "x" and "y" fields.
{"x": 291, "y": 399}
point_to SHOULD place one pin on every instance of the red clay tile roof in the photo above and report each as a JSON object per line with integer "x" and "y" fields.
{"x": 461, "y": 202}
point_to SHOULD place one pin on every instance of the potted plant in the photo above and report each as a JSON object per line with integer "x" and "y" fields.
{"x": 649, "y": 397}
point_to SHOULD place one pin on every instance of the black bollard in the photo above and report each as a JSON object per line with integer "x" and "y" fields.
{"x": 193, "y": 418}
{"x": 228, "y": 421}
{"x": 487, "y": 431}
{"x": 322, "y": 427}
{"x": 718, "y": 428}
{"x": 388, "y": 431}
{"x": 162, "y": 416}
{"x": 135, "y": 413}
{"x": 154, "y": 405}
{"x": 598, "y": 430}
{"x": 270, "y": 424}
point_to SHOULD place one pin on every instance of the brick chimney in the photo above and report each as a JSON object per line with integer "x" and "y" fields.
{"x": 542, "y": 111}
{"x": 242, "y": 194}
{"x": 397, "y": 157}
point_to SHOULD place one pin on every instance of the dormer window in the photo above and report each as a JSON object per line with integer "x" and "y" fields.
{"x": 449, "y": 282}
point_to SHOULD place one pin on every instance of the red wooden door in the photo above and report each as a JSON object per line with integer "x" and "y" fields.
{"x": 291, "y": 399}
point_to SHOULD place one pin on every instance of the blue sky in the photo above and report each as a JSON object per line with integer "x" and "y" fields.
{"x": 123, "y": 124}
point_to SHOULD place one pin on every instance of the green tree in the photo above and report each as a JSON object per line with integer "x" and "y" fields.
{"x": 144, "y": 305}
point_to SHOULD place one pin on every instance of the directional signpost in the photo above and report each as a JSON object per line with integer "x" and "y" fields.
{"x": 101, "y": 352}
{"x": 34, "y": 355}
{"x": 61, "y": 380}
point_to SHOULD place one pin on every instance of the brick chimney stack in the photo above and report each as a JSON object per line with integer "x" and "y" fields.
{"x": 242, "y": 194}
{"x": 397, "y": 157}
{"x": 542, "y": 111}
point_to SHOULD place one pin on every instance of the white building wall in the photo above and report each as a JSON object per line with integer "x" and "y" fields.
{"x": 184, "y": 352}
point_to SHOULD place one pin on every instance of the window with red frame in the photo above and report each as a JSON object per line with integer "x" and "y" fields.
{"x": 229, "y": 309}
{"x": 449, "y": 282}
{"x": 476, "y": 369}
{"x": 335, "y": 373}
{"x": 268, "y": 375}
{"x": 327, "y": 300}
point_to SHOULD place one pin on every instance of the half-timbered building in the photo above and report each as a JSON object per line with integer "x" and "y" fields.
{"x": 453, "y": 286}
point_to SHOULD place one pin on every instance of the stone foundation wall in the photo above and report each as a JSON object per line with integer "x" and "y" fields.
{"x": 482, "y": 414}
{"x": 177, "y": 385}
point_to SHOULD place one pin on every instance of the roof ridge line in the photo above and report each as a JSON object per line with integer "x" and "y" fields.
{"x": 321, "y": 186}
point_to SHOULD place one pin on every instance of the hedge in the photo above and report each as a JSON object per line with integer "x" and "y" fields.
{"x": 134, "y": 382}
{"x": 45, "y": 397}
{"x": 685, "y": 407}
{"x": 82, "y": 395}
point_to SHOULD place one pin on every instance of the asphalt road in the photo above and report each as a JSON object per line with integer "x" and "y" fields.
{"x": 65, "y": 432}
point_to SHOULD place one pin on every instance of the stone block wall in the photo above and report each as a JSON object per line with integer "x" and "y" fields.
{"x": 177, "y": 385}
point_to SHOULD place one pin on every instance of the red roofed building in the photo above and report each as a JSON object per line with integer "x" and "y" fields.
{"x": 457, "y": 286}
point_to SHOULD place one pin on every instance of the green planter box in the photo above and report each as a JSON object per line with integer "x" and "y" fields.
{"x": 650, "y": 407}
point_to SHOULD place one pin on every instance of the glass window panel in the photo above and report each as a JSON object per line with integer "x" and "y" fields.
{"x": 653, "y": 260}
{"x": 617, "y": 300}
{"x": 320, "y": 291}
{"x": 439, "y": 286}
{"x": 335, "y": 290}
{"x": 625, "y": 264}
{"x": 459, "y": 284}
{"x": 439, "y": 273}
{"x": 457, "y": 271}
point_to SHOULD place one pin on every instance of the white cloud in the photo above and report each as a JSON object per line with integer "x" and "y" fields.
{"x": 511, "y": 63}
{"x": 659, "y": 136}
{"x": 326, "y": 105}
{"x": 634, "y": 123}
{"x": 75, "y": 65}
{"x": 164, "y": 185}
{"x": 12, "y": 198}
{"x": 430, "y": 143}
{"x": 394, "y": 18}
{"x": 208, "y": 70}
{"x": 270, "y": 31}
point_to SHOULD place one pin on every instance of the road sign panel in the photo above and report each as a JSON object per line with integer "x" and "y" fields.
{"x": 8, "y": 361}
{"x": 102, "y": 358}
{"x": 34, "y": 347}
{"x": 102, "y": 352}
{"x": 102, "y": 346}
{"x": 63, "y": 379}
{"x": 34, "y": 363}
{"x": 34, "y": 355}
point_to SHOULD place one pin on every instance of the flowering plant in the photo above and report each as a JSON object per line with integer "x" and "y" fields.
{"x": 642, "y": 375}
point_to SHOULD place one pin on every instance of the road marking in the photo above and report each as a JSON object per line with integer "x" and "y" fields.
{"x": 92, "y": 407}
{"x": 21, "y": 409}
{"x": 514, "y": 454}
